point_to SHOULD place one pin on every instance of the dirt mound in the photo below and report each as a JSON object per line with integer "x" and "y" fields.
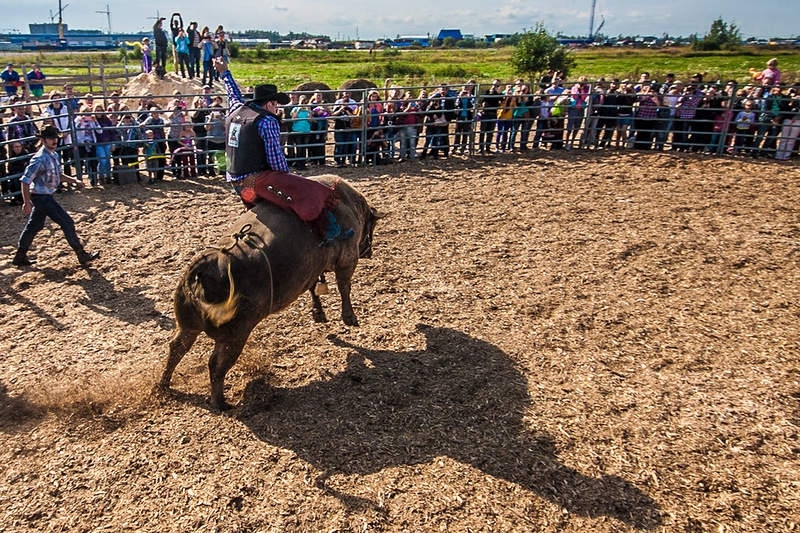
{"x": 163, "y": 89}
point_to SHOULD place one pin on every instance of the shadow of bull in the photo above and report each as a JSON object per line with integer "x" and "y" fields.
{"x": 460, "y": 397}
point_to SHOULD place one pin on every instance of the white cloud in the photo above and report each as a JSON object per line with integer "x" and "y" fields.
{"x": 374, "y": 19}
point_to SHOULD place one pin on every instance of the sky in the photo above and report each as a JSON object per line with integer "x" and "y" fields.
{"x": 375, "y": 19}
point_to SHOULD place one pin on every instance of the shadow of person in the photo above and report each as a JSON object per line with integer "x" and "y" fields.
{"x": 101, "y": 296}
{"x": 459, "y": 397}
{"x": 16, "y": 412}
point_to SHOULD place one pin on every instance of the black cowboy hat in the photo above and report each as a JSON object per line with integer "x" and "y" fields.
{"x": 268, "y": 92}
{"x": 49, "y": 132}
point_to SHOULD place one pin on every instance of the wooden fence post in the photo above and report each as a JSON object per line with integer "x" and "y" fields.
{"x": 103, "y": 82}
{"x": 89, "y": 74}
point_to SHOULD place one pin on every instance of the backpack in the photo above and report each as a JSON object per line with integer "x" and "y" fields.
{"x": 356, "y": 119}
{"x": 560, "y": 106}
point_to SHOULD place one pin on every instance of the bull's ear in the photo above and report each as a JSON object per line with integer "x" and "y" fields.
{"x": 377, "y": 214}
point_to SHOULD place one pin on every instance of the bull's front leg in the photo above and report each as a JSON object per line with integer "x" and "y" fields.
{"x": 343, "y": 283}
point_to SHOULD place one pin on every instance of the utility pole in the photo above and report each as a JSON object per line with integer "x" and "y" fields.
{"x": 107, "y": 12}
{"x": 61, "y": 40}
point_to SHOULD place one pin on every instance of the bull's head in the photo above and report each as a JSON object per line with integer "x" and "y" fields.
{"x": 365, "y": 245}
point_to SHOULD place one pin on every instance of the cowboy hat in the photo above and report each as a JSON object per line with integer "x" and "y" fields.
{"x": 49, "y": 132}
{"x": 267, "y": 93}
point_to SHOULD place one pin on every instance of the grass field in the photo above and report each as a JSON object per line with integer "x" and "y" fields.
{"x": 288, "y": 68}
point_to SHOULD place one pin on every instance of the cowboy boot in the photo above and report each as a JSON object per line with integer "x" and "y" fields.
{"x": 21, "y": 258}
{"x": 334, "y": 232}
{"x": 85, "y": 257}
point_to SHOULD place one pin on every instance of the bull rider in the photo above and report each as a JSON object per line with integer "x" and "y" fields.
{"x": 257, "y": 167}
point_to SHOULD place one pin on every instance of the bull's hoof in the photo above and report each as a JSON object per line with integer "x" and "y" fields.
{"x": 319, "y": 317}
{"x": 350, "y": 320}
{"x": 161, "y": 392}
{"x": 221, "y": 405}
{"x": 161, "y": 389}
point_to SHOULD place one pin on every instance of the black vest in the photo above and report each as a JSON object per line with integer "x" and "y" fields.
{"x": 243, "y": 147}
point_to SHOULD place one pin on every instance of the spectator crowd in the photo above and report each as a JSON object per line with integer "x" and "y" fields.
{"x": 110, "y": 139}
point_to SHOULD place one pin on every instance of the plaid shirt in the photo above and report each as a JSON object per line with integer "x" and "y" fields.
{"x": 43, "y": 172}
{"x": 648, "y": 107}
{"x": 269, "y": 129}
{"x": 687, "y": 106}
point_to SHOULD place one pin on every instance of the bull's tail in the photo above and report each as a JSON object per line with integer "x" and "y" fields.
{"x": 206, "y": 286}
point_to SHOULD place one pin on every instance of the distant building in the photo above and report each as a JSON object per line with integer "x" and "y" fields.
{"x": 312, "y": 43}
{"x": 39, "y": 29}
{"x": 496, "y": 37}
{"x": 455, "y": 34}
{"x": 364, "y": 45}
{"x": 404, "y": 41}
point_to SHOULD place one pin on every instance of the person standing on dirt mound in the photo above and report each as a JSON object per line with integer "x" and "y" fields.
{"x": 160, "y": 41}
{"x": 257, "y": 167}
{"x": 39, "y": 182}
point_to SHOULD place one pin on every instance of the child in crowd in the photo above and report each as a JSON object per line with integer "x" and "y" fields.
{"x": 152, "y": 157}
{"x": 147, "y": 60}
{"x": 722, "y": 117}
{"x": 16, "y": 167}
{"x": 215, "y": 141}
{"x": 184, "y": 160}
{"x": 745, "y": 120}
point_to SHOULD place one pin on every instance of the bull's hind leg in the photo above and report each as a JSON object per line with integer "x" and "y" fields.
{"x": 222, "y": 359}
{"x": 319, "y": 287}
{"x": 179, "y": 345}
{"x": 317, "y": 312}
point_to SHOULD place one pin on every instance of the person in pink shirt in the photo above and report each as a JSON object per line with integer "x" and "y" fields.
{"x": 580, "y": 95}
{"x": 770, "y": 76}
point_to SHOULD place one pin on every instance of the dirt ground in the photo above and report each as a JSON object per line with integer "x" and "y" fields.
{"x": 553, "y": 342}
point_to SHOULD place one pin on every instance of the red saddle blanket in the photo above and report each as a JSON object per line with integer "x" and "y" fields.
{"x": 302, "y": 196}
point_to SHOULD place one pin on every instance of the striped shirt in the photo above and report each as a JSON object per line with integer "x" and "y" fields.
{"x": 269, "y": 130}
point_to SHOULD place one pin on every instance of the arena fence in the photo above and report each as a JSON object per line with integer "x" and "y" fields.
{"x": 370, "y": 134}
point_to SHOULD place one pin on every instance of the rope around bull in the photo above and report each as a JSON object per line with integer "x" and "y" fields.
{"x": 249, "y": 237}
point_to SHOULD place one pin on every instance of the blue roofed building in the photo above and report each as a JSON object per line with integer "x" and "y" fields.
{"x": 444, "y": 34}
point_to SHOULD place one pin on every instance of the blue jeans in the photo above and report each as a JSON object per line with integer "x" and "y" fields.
{"x": 503, "y": 131}
{"x": 391, "y": 137}
{"x": 194, "y": 62}
{"x": 408, "y": 142}
{"x": 103, "y": 154}
{"x": 44, "y": 205}
{"x": 208, "y": 72}
{"x": 345, "y": 146}
{"x": 523, "y": 127}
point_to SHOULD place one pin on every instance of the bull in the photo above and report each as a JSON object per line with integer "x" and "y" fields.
{"x": 271, "y": 260}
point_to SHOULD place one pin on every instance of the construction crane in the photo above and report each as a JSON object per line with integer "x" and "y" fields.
{"x": 592, "y": 30}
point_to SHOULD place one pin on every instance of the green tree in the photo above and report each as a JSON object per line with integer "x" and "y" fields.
{"x": 537, "y": 51}
{"x": 562, "y": 60}
{"x": 721, "y": 36}
{"x": 449, "y": 42}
